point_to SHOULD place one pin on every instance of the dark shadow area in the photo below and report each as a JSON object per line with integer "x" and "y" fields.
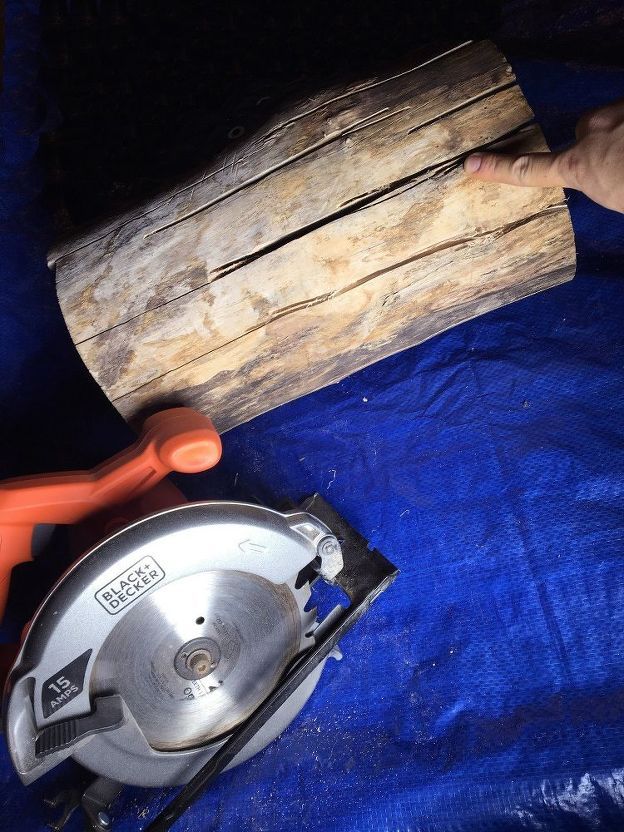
{"x": 143, "y": 92}
{"x": 148, "y": 90}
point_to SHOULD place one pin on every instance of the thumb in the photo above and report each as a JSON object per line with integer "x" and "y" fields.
{"x": 538, "y": 170}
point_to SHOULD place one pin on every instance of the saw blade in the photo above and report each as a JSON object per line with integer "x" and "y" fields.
{"x": 195, "y": 658}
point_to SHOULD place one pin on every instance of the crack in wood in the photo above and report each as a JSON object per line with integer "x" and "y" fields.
{"x": 66, "y": 249}
{"x": 463, "y": 104}
{"x": 365, "y": 87}
{"x": 360, "y": 124}
{"x": 56, "y": 254}
{"x": 358, "y": 203}
{"x": 375, "y": 197}
{"x": 263, "y": 174}
{"x": 323, "y": 298}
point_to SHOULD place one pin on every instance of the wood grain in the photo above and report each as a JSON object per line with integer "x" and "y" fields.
{"x": 344, "y": 232}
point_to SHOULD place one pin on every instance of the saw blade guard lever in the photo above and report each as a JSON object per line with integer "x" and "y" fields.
{"x": 179, "y": 439}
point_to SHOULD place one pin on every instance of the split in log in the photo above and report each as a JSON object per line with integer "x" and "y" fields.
{"x": 344, "y": 232}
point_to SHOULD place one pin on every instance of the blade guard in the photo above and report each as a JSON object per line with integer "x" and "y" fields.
{"x": 179, "y": 439}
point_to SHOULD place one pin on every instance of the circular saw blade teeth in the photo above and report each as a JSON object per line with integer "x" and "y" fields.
{"x": 302, "y": 593}
{"x": 302, "y": 596}
{"x": 309, "y": 624}
{"x": 309, "y": 621}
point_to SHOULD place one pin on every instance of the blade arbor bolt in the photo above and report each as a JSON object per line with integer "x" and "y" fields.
{"x": 200, "y": 662}
{"x": 197, "y": 658}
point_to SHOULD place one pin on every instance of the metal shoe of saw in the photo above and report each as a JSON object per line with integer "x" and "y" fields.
{"x": 180, "y": 644}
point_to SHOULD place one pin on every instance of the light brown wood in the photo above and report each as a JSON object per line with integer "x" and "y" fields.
{"x": 344, "y": 232}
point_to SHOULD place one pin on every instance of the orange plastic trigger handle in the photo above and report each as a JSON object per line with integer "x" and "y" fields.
{"x": 179, "y": 439}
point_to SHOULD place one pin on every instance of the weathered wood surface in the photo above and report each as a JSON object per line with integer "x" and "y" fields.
{"x": 344, "y": 232}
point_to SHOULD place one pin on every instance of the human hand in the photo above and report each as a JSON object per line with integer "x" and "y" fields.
{"x": 593, "y": 165}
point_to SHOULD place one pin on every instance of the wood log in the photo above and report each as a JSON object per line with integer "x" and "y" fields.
{"x": 343, "y": 232}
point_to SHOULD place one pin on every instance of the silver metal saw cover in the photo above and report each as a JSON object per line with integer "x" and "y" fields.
{"x": 191, "y": 615}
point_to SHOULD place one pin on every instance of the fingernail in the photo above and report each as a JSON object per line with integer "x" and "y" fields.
{"x": 473, "y": 163}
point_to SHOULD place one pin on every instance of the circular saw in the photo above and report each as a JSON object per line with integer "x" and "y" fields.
{"x": 185, "y": 639}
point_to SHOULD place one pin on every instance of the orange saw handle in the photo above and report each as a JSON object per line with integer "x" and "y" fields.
{"x": 179, "y": 440}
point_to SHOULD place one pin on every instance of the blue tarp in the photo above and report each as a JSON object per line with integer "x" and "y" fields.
{"x": 485, "y": 690}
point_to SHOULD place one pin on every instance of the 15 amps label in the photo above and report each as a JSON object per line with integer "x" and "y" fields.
{"x": 64, "y": 685}
{"x": 129, "y": 585}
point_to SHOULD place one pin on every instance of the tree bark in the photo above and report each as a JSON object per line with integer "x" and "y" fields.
{"x": 342, "y": 233}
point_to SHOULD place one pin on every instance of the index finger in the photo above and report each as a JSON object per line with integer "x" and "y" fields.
{"x": 533, "y": 170}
